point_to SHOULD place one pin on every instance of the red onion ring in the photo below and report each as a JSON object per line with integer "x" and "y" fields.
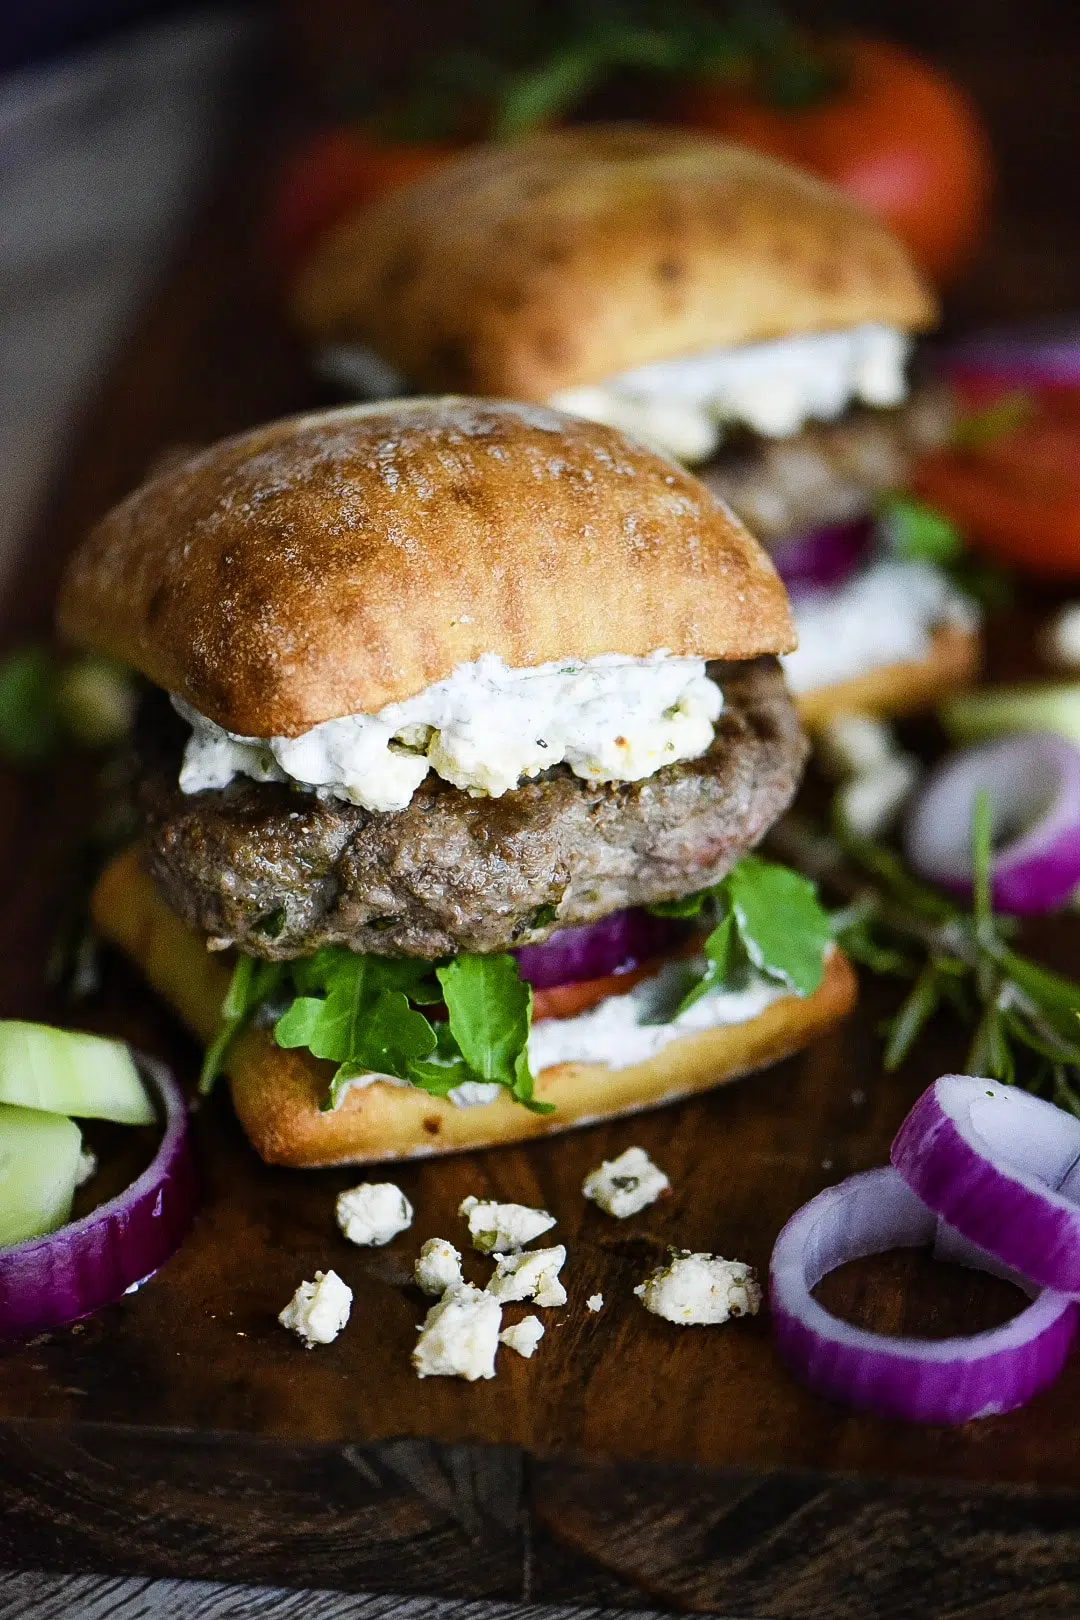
{"x": 822, "y": 558}
{"x": 49, "y": 1281}
{"x": 1002, "y": 1168}
{"x": 616, "y": 944}
{"x": 918, "y": 1380}
{"x": 1033, "y": 779}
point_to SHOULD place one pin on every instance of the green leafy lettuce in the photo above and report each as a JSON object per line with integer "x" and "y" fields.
{"x": 765, "y": 917}
{"x": 363, "y": 1013}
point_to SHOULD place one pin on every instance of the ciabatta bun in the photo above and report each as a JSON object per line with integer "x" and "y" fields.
{"x": 331, "y": 564}
{"x": 278, "y": 1094}
{"x": 520, "y": 270}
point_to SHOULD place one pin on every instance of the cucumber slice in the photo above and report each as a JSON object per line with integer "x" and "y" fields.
{"x": 66, "y": 1072}
{"x": 39, "y": 1165}
{"x": 1052, "y": 706}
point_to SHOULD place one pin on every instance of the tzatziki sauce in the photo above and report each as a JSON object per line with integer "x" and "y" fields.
{"x": 884, "y": 614}
{"x": 683, "y": 404}
{"x": 610, "y": 719}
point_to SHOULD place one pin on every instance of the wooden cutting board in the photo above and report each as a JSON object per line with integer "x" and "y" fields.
{"x": 630, "y": 1462}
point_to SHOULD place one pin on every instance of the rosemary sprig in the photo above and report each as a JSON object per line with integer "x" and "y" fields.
{"x": 1024, "y": 1018}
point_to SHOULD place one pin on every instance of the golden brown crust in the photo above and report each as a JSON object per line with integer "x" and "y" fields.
{"x": 277, "y": 1094}
{"x": 332, "y": 564}
{"x": 578, "y": 254}
{"x": 953, "y": 660}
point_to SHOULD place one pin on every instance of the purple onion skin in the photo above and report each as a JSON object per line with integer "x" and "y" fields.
{"x": 1044, "y": 883}
{"x": 615, "y": 944}
{"x": 985, "y": 1388}
{"x": 47, "y": 1282}
{"x": 945, "y": 1381}
{"x": 821, "y": 559}
{"x": 987, "y": 1205}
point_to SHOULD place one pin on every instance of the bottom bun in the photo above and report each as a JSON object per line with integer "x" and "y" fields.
{"x": 277, "y": 1094}
{"x": 952, "y": 661}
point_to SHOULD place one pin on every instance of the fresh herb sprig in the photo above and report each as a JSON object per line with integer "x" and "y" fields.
{"x": 1024, "y": 1018}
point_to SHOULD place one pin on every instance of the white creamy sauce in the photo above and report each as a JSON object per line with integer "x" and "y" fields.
{"x": 621, "y": 1030}
{"x": 484, "y": 728}
{"x": 885, "y": 614}
{"x": 684, "y": 404}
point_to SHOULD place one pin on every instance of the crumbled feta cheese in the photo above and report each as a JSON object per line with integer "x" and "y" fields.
{"x": 626, "y": 1185}
{"x": 869, "y": 804}
{"x": 438, "y": 1267}
{"x": 318, "y": 1310}
{"x": 854, "y": 744}
{"x": 530, "y": 1274}
{"x": 613, "y": 718}
{"x": 373, "y": 1213}
{"x": 595, "y": 1302}
{"x": 496, "y": 1228}
{"x": 86, "y": 1167}
{"x": 1060, "y": 641}
{"x": 700, "y": 1288}
{"x": 459, "y": 1336}
{"x": 523, "y": 1336}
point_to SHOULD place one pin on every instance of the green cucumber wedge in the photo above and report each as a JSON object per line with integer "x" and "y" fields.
{"x": 65, "y": 1072}
{"x": 39, "y": 1167}
{"x": 998, "y": 710}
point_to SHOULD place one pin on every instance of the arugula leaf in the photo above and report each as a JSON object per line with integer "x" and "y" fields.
{"x": 916, "y": 532}
{"x": 364, "y": 1021}
{"x": 720, "y": 949}
{"x": 769, "y": 916}
{"x": 489, "y": 1008}
{"x": 782, "y": 925}
{"x": 252, "y": 983}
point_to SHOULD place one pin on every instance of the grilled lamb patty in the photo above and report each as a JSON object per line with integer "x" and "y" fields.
{"x": 280, "y": 873}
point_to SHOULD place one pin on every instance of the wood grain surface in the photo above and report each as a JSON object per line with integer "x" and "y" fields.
{"x": 629, "y": 1464}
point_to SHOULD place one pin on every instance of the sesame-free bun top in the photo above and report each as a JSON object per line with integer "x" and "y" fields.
{"x": 331, "y": 564}
{"x": 578, "y": 254}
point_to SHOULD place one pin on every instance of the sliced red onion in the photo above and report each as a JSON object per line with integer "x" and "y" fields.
{"x": 615, "y": 944}
{"x": 1002, "y": 1168}
{"x": 1041, "y": 355}
{"x": 918, "y": 1380}
{"x": 1033, "y": 781}
{"x": 50, "y": 1281}
{"x": 822, "y": 558}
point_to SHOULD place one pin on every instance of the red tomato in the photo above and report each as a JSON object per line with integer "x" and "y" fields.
{"x": 898, "y": 135}
{"x": 1017, "y": 496}
{"x": 567, "y": 1000}
{"x": 336, "y": 170}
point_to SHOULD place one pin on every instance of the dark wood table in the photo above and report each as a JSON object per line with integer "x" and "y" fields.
{"x": 629, "y": 1464}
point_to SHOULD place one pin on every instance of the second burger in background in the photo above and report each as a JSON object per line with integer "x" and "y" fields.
{"x": 475, "y": 719}
{"x": 744, "y": 316}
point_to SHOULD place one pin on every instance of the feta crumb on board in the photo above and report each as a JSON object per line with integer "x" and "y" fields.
{"x": 523, "y": 1336}
{"x": 854, "y": 745}
{"x": 459, "y": 1336}
{"x": 500, "y": 1228}
{"x": 318, "y": 1310}
{"x": 871, "y": 802}
{"x": 595, "y": 1302}
{"x": 373, "y": 1213}
{"x": 530, "y": 1274}
{"x": 1060, "y": 640}
{"x": 438, "y": 1267}
{"x": 626, "y": 1185}
{"x": 700, "y": 1289}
